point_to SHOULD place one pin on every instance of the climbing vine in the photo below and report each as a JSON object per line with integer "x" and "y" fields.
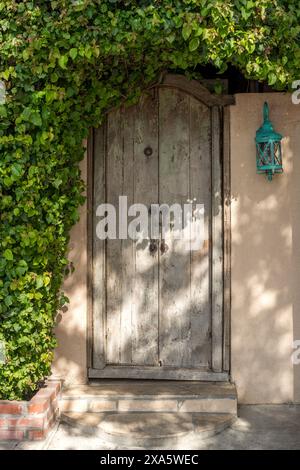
{"x": 63, "y": 64}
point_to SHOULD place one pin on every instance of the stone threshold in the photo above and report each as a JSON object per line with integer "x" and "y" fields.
{"x": 149, "y": 429}
{"x": 155, "y": 396}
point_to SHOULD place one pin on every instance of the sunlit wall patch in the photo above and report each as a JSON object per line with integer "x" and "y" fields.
{"x": 2, "y": 92}
{"x": 2, "y": 352}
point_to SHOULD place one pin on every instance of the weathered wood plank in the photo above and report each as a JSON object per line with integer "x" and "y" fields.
{"x": 174, "y": 277}
{"x": 227, "y": 238}
{"x": 217, "y": 245}
{"x": 98, "y": 251}
{"x": 126, "y": 261}
{"x": 120, "y": 252}
{"x": 114, "y": 265}
{"x": 145, "y": 294}
{"x": 157, "y": 373}
{"x": 200, "y": 193}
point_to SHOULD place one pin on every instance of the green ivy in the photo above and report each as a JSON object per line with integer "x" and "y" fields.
{"x": 64, "y": 64}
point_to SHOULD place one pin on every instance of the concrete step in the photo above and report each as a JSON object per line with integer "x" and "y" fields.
{"x": 149, "y": 429}
{"x": 154, "y": 396}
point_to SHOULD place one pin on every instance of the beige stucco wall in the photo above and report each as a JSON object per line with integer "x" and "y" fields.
{"x": 265, "y": 265}
{"x": 70, "y": 362}
{"x": 265, "y": 255}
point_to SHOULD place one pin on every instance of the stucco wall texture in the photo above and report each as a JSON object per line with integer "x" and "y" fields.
{"x": 70, "y": 361}
{"x": 265, "y": 312}
{"x": 265, "y": 315}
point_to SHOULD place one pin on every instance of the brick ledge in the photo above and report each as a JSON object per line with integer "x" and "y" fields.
{"x": 30, "y": 420}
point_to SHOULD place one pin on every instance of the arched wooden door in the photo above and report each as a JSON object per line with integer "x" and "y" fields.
{"x": 158, "y": 306}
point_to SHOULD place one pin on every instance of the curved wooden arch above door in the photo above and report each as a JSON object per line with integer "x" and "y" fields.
{"x": 194, "y": 88}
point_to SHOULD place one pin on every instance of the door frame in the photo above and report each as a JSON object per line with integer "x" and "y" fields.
{"x": 220, "y": 239}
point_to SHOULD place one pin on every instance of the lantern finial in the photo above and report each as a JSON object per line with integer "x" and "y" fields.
{"x": 266, "y": 112}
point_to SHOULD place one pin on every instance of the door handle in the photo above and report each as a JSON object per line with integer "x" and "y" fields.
{"x": 163, "y": 247}
{"x": 153, "y": 247}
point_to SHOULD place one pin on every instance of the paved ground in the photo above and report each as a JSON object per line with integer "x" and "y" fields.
{"x": 258, "y": 427}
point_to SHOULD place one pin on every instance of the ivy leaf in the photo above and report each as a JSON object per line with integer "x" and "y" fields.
{"x": 6, "y": 74}
{"x": 39, "y": 282}
{"x": 16, "y": 170}
{"x": 63, "y": 60}
{"x": 3, "y": 112}
{"x": 171, "y": 38}
{"x": 73, "y": 53}
{"x": 194, "y": 44}
{"x": 36, "y": 119}
{"x": 8, "y": 300}
{"x": 25, "y": 54}
{"x": 186, "y": 31}
{"x": 218, "y": 88}
{"x": 250, "y": 48}
{"x": 272, "y": 78}
{"x": 22, "y": 267}
{"x": 8, "y": 254}
{"x": 88, "y": 52}
{"x": 57, "y": 182}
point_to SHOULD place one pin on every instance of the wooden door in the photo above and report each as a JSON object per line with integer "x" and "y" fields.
{"x": 158, "y": 305}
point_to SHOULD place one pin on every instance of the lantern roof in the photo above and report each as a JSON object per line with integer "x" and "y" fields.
{"x": 266, "y": 132}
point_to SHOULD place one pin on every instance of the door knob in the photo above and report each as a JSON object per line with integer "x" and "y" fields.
{"x": 148, "y": 151}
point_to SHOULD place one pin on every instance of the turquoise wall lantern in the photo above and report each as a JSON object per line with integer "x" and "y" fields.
{"x": 268, "y": 148}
